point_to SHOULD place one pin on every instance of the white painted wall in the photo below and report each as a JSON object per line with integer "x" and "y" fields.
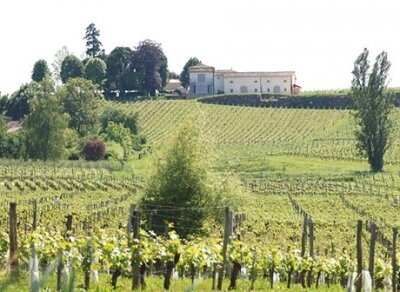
{"x": 202, "y": 88}
{"x": 270, "y": 82}
{"x": 232, "y": 84}
{"x": 219, "y": 83}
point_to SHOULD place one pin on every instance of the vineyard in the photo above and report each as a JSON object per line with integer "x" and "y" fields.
{"x": 253, "y": 133}
{"x": 76, "y": 225}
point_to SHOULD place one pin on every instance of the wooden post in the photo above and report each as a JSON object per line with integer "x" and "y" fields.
{"x": 303, "y": 248}
{"x": 34, "y": 223}
{"x": 359, "y": 257}
{"x": 304, "y": 237}
{"x": 60, "y": 264}
{"x": 224, "y": 247}
{"x": 135, "y": 223}
{"x": 394, "y": 261}
{"x": 69, "y": 223}
{"x": 371, "y": 263}
{"x": 311, "y": 227}
{"x": 132, "y": 208}
{"x": 13, "y": 265}
{"x": 228, "y": 267}
{"x": 150, "y": 221}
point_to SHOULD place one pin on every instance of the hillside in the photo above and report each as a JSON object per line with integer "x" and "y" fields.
{"x": 304, "y": 188}
{"x": 248, "y": 133}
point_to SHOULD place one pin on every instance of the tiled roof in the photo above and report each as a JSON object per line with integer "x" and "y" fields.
{"x": 201, "y": 68}
{"x": 259, "y": 74}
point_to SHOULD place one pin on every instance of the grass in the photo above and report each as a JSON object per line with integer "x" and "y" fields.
{"x": 154, "y": 284}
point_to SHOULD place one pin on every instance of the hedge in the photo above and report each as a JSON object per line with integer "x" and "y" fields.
{"x": 297, "y": 101}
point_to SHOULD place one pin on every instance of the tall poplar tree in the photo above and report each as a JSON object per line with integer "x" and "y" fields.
{"x": 373, "y": 104}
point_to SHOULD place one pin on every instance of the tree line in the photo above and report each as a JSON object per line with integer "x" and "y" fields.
{"x": 68, "y": 122}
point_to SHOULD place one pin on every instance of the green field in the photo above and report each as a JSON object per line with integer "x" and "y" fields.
{"x": 289, "y": 161}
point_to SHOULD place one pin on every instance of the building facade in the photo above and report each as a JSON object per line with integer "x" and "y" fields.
{"x": 205, "y": 80}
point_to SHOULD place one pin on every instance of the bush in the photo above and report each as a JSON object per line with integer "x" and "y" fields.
{"x": 117, "y": 116}
{"x": 94, "y": 150}
{"x": 183, "y": 182}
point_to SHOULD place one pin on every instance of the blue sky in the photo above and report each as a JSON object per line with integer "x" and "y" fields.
{"x": 319, "y": 39}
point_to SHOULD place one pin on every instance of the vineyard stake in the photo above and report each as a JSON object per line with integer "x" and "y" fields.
{"x": 311, "y": 227}
{"x": 359, "y": 256}
{"x": 13, "y": 241}
{"x": 372, "y": 251}
{"x": 135, "y": 223}
{"x": 34, "y": 224}
{"x": 394, "y": 261}
{"x": 227, "y": 234}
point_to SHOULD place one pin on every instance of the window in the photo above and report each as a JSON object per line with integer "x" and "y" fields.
{"x": 218, "y": 78}
{"x": 255, "y": 90}
{"x": 267, "y": 81}
{"x": 285, "y": 80}
{"x": 231, "y": 81}
{"x": 267, "y": 89}
{"x": 194, "y": 88}
{"x": 255, "y": 81}
{"x": 201, "y": 77}
{"x": 285, "y": 89}
{"x": 277, "y": 89}
{"x": 231, "y": 90}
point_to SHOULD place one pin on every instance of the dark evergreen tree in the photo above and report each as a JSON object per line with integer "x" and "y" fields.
{"x": 93, "y": 44}
{"x": 185, "y": 72}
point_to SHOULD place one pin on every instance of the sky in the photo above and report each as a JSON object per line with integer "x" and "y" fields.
{"x": 318, "y": 39}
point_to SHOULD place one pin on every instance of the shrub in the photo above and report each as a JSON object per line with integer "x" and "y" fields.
{"x": 94, "y": 149}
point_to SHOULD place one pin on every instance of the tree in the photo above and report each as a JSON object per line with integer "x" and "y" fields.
{"x": 3, "y": 103}
{"x": 95, "y": 70}
{"x": 81, "y": 100}
{"x": 120, "y": 74}
{"x": 128, "y": 120}
{"x": 373, "y": 105}
{"x": 152, "y": 66}
{"x": 71, "y": 67}
{"x": 93, "y": 44}
{"x": 40, "y": 70}
{"x": 45, "y": 125}
{"x": 3, "y": 137}
{"x": 183, "y": 184}
{"x": 18, "y": 104}
{"x": 185, "y": 72}
{"x": 59, "y": 57}
{"x": 173, "y": 75}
